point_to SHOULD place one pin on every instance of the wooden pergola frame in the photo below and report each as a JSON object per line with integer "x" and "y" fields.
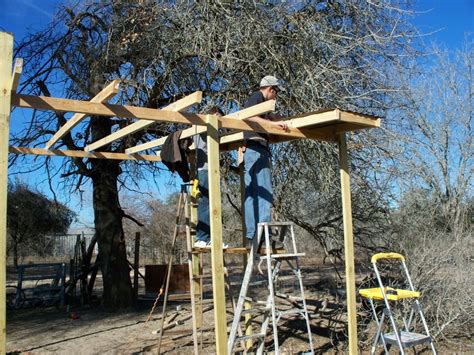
{"x": 329, "y": 126}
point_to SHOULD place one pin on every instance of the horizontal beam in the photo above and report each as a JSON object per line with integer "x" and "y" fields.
{"x": 256, "y": 110}
{"x": 82, "y": 154}
{"x": 103, "y": 109}
{"x": 360, "y": 119}
{"x": 179, "y": 105}
{"x": 260, "y": 109}
{"x": 107, "y": 93}
{"x": 17, "y": 70}
{"x": 322, "y": 125}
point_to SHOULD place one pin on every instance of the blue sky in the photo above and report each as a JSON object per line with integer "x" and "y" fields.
{"x": 449, "y": 19}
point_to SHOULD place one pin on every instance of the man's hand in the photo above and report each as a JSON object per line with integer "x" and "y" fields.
{"x": 282, "y": 124}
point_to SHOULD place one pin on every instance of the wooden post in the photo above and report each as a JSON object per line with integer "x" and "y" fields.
{"x": 6, "y": 61}
{"x": 136, "y": 265}
{"x": 217, "y": 255}
{"x": 348, "y": 244}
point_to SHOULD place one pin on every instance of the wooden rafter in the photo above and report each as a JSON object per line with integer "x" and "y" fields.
{"x": 324, "y": 125}
{"x": 179, "y": 105}
{"x": 107, "y": 93}
{"x": 260, "y": 109}
{"x": 103, "y": 109}
{"x": 82, "y": 154}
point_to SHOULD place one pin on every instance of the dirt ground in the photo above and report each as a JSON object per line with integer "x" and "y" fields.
{"x": 90, "y": 330}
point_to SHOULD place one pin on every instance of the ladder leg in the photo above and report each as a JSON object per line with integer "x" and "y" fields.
{"x": 378, "y": 334}
{"x": 243, "y": 290}
{"x": 266, "y": 320}
{"x": 268, "y": 250}
{"x": 305, "y": 310}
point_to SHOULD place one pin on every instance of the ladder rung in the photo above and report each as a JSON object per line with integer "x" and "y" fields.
{"x": 277, "y": 223}
{"x": 251, "y": 336}
{"x": 284, "y": 256}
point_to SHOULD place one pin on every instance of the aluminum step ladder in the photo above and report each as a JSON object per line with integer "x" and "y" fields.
{"x": 401, "y": 338}
{"x": 268, "y": 308}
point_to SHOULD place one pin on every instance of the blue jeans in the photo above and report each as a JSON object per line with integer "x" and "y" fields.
{"x": 203, "y": 229}
{"x": 258, "y": 187}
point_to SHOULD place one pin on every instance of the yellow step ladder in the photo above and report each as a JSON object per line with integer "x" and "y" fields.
{"x": 389, "y": 295}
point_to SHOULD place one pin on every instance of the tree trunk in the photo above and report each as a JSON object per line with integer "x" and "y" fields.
{"x": 15, "y": 253}
{"x": 110, "y": 237}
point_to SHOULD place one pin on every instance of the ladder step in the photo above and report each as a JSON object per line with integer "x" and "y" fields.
{"x": 408, "y": 339}
{"x": 251, "y": 336}
{"x": 284, "y": 256}
{"x": 277, "y": 223}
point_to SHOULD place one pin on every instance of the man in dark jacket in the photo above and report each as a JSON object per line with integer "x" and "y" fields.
{"x": 257, "y": 164}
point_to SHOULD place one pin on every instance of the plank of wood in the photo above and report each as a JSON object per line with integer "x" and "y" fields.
{"x": 217, "y": 256}
{"x": 103, "y": 109}
{"x": 82, "y": 154}
{"x": 106, "y": 94}
{"x": 252, "y": 111}
{"x": 179, "y": 105}
{"x": 361, "y": 119}
{"x": 348, "y": 244}
{"x": 6, "y": 59}
{"x": 264, "y": 107}
{"x": 17, "y": 70}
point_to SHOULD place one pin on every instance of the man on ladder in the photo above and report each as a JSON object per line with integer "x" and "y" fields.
{"x": 257, "y": 164}
{"x": 257, "y": 206}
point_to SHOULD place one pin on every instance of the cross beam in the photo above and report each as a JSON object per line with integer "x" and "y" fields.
{"x": 82, "y": 154}
{"x": 260, "y": 109}
{"x": 103, "y": 109}
{"x": 179, "y": 105}
{"x": 107, "y": 93}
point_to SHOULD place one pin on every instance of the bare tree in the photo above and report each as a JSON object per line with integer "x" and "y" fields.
{"x": 330, "y": 54}
{"x": 431, "y": 141}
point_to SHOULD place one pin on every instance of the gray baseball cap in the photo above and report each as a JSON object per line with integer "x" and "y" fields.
{"x": 270, "y": 80}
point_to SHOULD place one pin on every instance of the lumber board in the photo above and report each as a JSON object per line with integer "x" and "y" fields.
{"x": 217, "y": 256}
{"x": 82, "y": 154}
{"x": 323, "y": 125}
{"x": 262, "y": 108}
{"x": 348, "y": 244}
{"x": 6, "y": 61}
{"x": 179, "y": 105}
{"x": 107, "y": 93}
{"x": 17, "y": 70}
{"x": 124, "y": 111}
